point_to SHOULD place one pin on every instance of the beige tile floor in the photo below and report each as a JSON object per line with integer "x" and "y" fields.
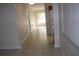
{"x": 38, "y": 44}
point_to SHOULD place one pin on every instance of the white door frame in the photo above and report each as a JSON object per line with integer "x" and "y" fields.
{"x": 55, "y": 17}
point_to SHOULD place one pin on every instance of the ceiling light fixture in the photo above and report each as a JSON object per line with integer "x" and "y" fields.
{"x": 31, "y": 3}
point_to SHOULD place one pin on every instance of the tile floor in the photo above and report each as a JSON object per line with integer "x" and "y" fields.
{"x": 38, "y": 44}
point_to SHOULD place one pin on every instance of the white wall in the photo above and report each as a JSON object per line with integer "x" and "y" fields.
{"x": 70, "y": 36}
{"x": 56, "y": 25}
{"x": 48, "y": 18}
{"x": 55, "y": 17}
{"x": 32, "y": 20}
{"x": 60, "y": 13}
{"x": 8, "y": 33}
{"x": 22, "y": 22}
{"x": 70, "y": 13}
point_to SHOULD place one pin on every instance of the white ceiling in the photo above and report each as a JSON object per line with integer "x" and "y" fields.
{"x": 37, "y": 6}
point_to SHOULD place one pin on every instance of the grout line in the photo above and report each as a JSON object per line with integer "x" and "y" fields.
{"x": 25, "y": 39}
{"x": 62, "y": 52}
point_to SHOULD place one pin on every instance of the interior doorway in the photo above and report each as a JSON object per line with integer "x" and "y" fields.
{"x": 39, "y": 42}
{"x": 40, "y": 18}
{"x": 37, "y": 16}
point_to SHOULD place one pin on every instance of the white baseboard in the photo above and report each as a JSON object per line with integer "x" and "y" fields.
{"x": 62, "y": 52}
{"x": 56, "y": 46}
{"x": 19, "y": 47}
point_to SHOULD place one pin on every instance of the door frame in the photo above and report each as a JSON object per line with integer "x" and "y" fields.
{"x": 55, "y": 22}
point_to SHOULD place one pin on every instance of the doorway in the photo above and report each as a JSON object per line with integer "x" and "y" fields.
{"x": 39, "y": 22}
{"x": 39, "y": 43}
{"x": 37, "y": 16}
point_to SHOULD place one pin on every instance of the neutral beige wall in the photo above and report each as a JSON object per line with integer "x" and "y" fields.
{"x": 70, "y": 35}
{"x": 22, "y": 21}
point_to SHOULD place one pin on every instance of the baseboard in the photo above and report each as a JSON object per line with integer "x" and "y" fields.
{"x": 19, "y": 47}
{"x": 62, "y": 52}
{"x": 56, "y": 46}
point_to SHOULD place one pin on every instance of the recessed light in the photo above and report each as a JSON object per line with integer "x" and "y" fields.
{"x": 31, "y": 3}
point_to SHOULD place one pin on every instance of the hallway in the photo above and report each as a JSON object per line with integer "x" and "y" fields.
{"x": 61, "y": 19}
{"x": 39, "y": 44}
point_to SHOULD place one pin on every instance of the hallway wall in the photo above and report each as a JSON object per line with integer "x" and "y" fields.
{"x": 8, "y": 33}
{"x": 32, "y": 19}
{"x": 70, "y": 38}
{"x": 55, "y": 16}
{"x": 22, "y": 21}
{"x": 56, "y": 25}
{"x": 48, "y": 21}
